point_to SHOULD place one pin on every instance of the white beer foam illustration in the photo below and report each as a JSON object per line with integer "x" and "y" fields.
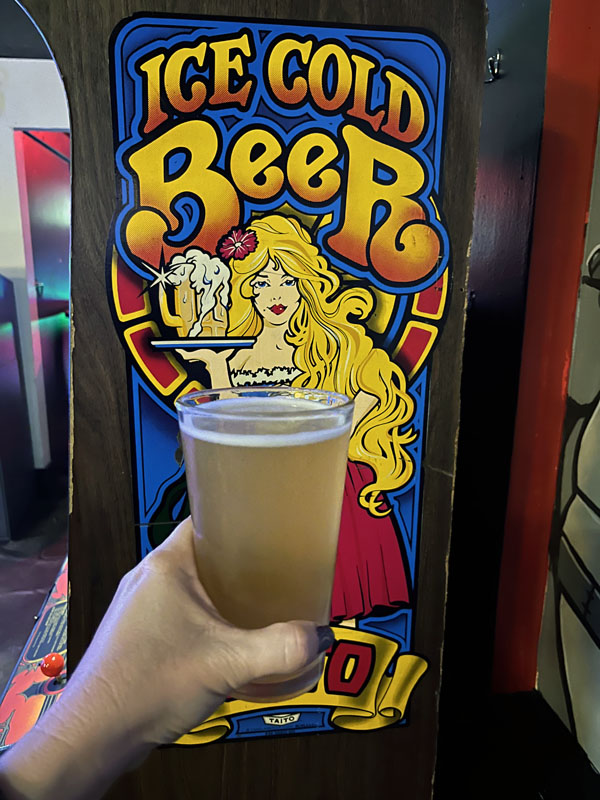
{"x": 207, "y": 275}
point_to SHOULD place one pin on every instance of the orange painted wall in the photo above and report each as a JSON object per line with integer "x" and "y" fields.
{"x": 563, "y": 188}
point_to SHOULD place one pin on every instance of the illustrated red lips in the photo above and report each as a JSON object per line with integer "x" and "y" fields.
{"x": 278, "y": 309}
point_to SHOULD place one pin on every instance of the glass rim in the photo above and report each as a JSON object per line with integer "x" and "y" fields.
{"x": 199, "y": 403}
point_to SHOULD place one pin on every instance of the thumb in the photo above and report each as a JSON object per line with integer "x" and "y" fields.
{"x": 282, "y": 649}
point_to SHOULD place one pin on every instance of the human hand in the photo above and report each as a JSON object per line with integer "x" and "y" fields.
{"x": 214, "y": 361}
{"x": 161, "y": 661}
{"x": 177, "y": 658}
{"x": 204, "y": 354}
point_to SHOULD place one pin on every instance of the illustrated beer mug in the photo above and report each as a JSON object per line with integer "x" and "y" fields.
{"x": 265, "y": 472}
{"x": 197, "y": 285}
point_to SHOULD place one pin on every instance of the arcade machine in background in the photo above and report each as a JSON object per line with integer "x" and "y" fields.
{"x": 33, "y": 502}
{"x": 44, "y": 184}
{"x": 44, "y": 179}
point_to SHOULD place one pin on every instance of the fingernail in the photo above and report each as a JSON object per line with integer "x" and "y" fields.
{"x": 326, "y": 638}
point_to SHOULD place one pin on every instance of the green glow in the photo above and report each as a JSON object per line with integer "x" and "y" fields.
{"x": 59, "y": 323}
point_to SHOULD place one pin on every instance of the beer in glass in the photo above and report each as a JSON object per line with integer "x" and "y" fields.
{"x": 265, "y": 472}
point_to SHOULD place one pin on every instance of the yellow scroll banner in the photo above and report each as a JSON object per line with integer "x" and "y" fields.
{"x": 378, "y": 699}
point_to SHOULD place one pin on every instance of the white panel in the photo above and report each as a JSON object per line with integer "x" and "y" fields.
{"x": 32, "y": 95}
{"x": 582, "y": 661}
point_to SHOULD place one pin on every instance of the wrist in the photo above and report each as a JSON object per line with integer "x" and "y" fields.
{"x": 71, "y": 752}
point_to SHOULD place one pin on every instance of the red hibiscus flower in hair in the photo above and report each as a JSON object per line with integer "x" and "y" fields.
{"x": 237, "y": 244}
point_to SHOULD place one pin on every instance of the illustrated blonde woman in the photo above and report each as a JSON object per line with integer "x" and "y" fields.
{"x": 310, "y": 333}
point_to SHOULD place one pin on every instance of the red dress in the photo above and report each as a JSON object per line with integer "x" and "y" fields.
{"x": 369, "y": 570}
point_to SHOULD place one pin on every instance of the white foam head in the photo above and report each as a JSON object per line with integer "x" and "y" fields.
{"x": 265, "y": 422}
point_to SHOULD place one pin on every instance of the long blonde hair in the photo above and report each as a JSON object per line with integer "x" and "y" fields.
{"x": 331, "y": 348}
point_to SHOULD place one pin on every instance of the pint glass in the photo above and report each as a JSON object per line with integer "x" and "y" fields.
{"x": 265, "y": 473}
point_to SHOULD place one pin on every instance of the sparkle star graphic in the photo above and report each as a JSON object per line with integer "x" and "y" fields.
{"x": 160, "y": 274}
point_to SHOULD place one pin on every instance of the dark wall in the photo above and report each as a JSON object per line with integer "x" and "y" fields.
{"x": 513, "y": 108}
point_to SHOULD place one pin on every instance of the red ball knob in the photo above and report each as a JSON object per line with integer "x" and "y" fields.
{"x": 52, "y": 665}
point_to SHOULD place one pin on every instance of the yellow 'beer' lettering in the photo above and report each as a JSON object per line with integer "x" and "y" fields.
{"x": 307, "y": 161}
{"x": 154, "y": 218}
{"x": 251, "y": 158}
{"x": 404, "y": 248}
{"x": 382, "y": 226}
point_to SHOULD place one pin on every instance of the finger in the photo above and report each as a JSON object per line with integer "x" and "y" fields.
{"x": 176, "y": 557}
{"x": 180, "y": 539}
{"x": 281, "y": 649}
{"x": 176, "y": 552}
